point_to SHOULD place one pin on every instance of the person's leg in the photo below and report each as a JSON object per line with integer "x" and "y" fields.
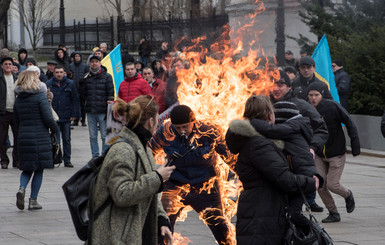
{"x": 36, "y": 183}
{"x": 209, "y": 207}
{"x": 93, "y": 131}
{"x": 66, "y": 135}
{"x": 20, "y": 195}
{"x": 4, "y": 126}
{"x": 295, "y": 210}
{"x": 15, "y": 153}
{"x": 24, "y": 178}
{"x": 326, "y": 197}
{"x": 82, "y": 110}
{"x": 336, "y": 168}
{"x": 103, "y": 131}
{"x": 58, "y": 134}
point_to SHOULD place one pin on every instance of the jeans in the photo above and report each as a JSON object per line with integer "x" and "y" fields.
{"x": 93, "y": 120}
{"x": 65, "y": 131}
{"x": 36, "y": 181}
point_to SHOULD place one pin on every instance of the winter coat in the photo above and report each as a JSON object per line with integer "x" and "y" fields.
{"x": 300, "y": 85}
{"x": 297, "y": 134}
{"x": 132, "y": 87}
{"x": 266, "y": 179}
{"x": 34, "y": 117}
{"x": 97, "y": 90}
{"x": 198, "y": 165}
{"x": 383, "y": 125}
{"x": 3, "y": 92}
{"x": 78, "y": 70}
{"x": 63, "y": 62}
{"x": 22, "y": 62}
{"x": 334, "y": 115}
{"x": 65, "y": 99}
{"x": 159, "y": 91}
{"x": 343, "y": 86}
{"x": 134, "y": 193}
{"x": 145, "y": 49}
{"x": 320, "y": 132}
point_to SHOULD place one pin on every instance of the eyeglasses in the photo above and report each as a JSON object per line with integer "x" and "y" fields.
{"x": 151, "y": 99}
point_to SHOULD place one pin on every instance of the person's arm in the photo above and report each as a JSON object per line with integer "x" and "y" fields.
{"x": 273, "y": 131}
{"x": 110, "y": 88}
{"x": 351, "y": 128}
{"x": 47, "y": 114}
{"x": 344, "y": 84}
{"x": 156, "y": 143}
{"x": 74, "y": 102}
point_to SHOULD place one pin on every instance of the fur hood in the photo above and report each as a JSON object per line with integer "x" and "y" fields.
{"x": 42, "y": 89}
{"x": 240, "y": 132}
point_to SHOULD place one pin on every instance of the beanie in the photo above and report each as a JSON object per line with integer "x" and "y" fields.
{"x": 182, "y": 114}
{"x": 338, "y": 62}
{"x": 318, "y": 86}
{"x": 284, "y": 110}
{"x": 284, "y": 79}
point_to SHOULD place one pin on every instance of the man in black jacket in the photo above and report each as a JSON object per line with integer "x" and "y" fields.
{"x": 383, "y": 125}
{"x": 7, "y": 100}
{"x": 306, "y": 77}
{"x": 330, "y": 161}
{"x": 283, "y": 92}
{"x": 97, "y": 89}
{"x": 342, "y": 80}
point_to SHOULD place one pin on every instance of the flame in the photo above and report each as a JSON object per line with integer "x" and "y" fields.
{"x": 216, "y": 85}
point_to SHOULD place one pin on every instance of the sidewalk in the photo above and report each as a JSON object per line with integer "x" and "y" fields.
{"x": 364, "y": 175}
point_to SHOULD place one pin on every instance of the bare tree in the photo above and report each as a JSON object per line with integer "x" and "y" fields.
{"x": 117, "y": 6}
{"x": 36, "y": 15}
{"x": 4, "y": 6}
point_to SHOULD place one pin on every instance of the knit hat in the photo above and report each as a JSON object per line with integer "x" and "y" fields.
{"x": 338, "y": 62}
{"x": 284, "y": 110}
{"x": 182, "y": 114}
{"x": 284, "y": 79}
{"x": 34, "y": 68}
{"x": 318, "y": 86}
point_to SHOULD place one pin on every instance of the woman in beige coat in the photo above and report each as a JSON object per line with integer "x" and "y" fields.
{"x": 135, "y": 215}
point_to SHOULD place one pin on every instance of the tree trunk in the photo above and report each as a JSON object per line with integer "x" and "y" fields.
{"x": 4, "y": 6}
{"x": 280, "y": 32}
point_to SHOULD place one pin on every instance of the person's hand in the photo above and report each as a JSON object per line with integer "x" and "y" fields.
{"x": 316, "y": 182}
{"x": 166, "y": 233}
{"x": 110, "y": 102}
{"x": 312, "y": 152}
{"x": 72, "y": 118}
{"x": 165, "y": 172}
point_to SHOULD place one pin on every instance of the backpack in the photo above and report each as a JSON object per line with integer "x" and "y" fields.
{"x": 78, "y": 191}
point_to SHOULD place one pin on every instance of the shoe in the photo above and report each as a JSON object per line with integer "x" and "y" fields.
{"x": 68, "y": 165}
{"x": 72, "y": 128}
{"x": 4, "y": 165}
{"x": 84, "y": 124}
{"x": 350, "y": 203}
{"x": 333, "y": 217}
{"x": 33, "y": 204}
{"x": 15, "y": 164}
{"x": 75, "y": 123}
{"x": 20, "y": 198}
{"x": 315, "y": 208}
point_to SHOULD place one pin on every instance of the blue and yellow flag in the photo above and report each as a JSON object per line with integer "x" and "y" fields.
{"x": 323, "y": 63}
{"x": 113, "y": 63}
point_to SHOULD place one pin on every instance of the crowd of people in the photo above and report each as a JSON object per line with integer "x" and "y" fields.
{"x": 289, "y": 141}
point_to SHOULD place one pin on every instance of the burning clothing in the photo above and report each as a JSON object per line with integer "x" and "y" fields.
{"x": 266, "y": 179}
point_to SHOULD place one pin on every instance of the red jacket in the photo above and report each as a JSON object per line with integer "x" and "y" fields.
{"x": 132, "y": 87}
{"x": 159, "y": 91}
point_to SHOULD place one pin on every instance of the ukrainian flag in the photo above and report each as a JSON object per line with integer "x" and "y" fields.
{"x": 323, "y": 64}
{"x": 113, "y": 63}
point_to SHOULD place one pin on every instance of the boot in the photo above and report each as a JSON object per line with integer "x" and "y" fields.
{"x": 20, "y": 198}
{"x": 33, "y": 204}
{"x": 333, "y": 217}
{"x": 350, "y": 203}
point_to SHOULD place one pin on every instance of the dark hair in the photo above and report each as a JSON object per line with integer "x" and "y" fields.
{"x": 137, "y": 111}
{"x": 129, "y": 64}
{"x": 59, "y": 67}
{"x": 258, "y": 106}
{"x": 148, "y": 68}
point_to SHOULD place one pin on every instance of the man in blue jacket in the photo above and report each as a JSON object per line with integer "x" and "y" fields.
{"x": 66, "y": 104}
{"x": 192, "y": 146}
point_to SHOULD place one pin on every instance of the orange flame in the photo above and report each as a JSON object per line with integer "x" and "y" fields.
{"x": 216, "y": 86}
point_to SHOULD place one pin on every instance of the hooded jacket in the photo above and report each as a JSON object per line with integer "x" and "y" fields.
{"x": 22, "y": 62}
{"x": 300, "y": 85}
{"x": 97, "y": 90}
{"x": 266, "y": 179}
{"x": 78, "y": 69}
{"x": 334, "y": 114}
{"x": 343, "y": 86}
{"x": 132, "y": 87}
{"x": 63, "y": 61}
{"x": 34, "y": 117}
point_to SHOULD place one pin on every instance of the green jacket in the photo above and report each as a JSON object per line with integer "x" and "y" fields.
{"x": 134, "y": 194}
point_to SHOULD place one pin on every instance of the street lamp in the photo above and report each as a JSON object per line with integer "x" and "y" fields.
{"x": 62, "y": 23}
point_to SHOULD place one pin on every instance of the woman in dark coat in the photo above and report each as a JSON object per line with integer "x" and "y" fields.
{"x": 34, "y": 117}
{"x": 265, "y": 176}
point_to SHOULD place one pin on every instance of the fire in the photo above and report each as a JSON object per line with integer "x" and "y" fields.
{"x": 219, "y": 80}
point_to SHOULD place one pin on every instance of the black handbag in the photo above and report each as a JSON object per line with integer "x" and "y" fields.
{"x": 316, "y": 236}
{"x": 57, "y": 155}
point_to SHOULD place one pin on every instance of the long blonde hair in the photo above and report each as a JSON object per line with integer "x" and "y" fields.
{"x": 137, "y": 111}
{"x": 28, "y": 81}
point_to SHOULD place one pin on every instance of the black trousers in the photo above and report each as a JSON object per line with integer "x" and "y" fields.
{"x": 295, "y": 210}
{"x": 207, "y": 204}
{"x": 7, "y": 120}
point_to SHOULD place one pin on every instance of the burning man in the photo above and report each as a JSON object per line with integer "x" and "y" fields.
{"x": 192, "y": 146}
{"x": 265, "y": 176}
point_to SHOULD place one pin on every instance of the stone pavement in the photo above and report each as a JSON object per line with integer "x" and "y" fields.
{"x": 364, "y": 175}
